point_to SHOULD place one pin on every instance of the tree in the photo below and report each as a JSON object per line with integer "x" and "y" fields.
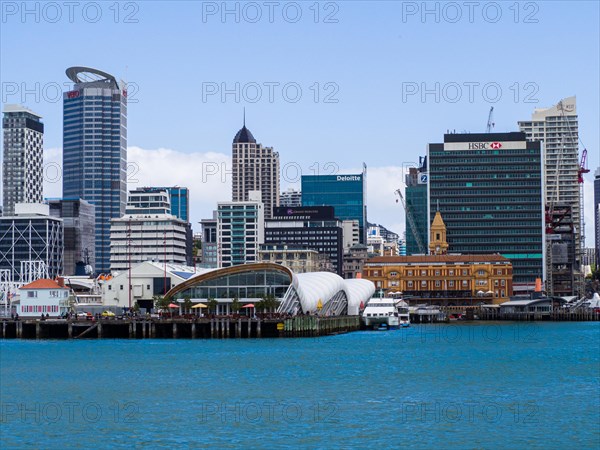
{"x": 212, "y": 305}
{"x": 161, "y": 302}
{"x": 187, "y": 304}
{"x": 268, "y": 303}
{"x": 135, "y": 307}
{"x": 235, "y": 305}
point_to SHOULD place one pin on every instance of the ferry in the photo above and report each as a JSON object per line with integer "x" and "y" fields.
{"x": 403, "y": 313}
{"x": 382, "y": 313}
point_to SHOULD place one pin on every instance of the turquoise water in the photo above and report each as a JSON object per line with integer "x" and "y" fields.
{"x": 467, "y": 386}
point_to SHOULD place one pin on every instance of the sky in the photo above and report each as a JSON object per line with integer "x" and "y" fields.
{"x": 329, "y": 85}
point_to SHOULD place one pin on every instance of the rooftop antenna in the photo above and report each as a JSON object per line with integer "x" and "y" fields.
{"x": 438, "y": 206}
{"x": 244, "y": 117}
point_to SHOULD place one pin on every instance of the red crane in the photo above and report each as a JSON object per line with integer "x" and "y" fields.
{"x": 582, "y": 166}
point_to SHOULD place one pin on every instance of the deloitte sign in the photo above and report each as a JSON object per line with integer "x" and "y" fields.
{"x": 348, "y": 178}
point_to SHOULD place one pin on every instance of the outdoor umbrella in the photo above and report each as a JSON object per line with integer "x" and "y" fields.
{"x": 249, "y": 305}
{"x": 173, "y": 305}
{"x": 199, "y": 305}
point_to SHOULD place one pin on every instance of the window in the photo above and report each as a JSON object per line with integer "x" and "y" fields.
{"x": 499, "y": 272}
{"x": 121, "y": 287}
{"x": 480, "y": 273}
{"x": 410, "y": 272}
{"x": 424, "y": 283}
{"x": 503, "y": 282}
{"x": 437, "y": 273}
{"x": 465, "y": 283}
{"x": 464, "y": 271}
{"x": 424, "y": 272}
{"x": 110, "y": 287}
{"x": 148, "y": 287}
{"x": 393, "y": 274}
{"x": 451, "y": 283}
{"x": 437, "y": 284}
{"x": 31, "y": 294}
{"x": 451, "y": 272}
{"x": 410, "y": 284}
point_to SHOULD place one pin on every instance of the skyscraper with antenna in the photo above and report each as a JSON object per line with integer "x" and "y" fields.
{"x": 255, "y": 168}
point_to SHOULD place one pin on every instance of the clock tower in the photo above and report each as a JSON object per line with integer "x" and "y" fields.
{"x": 437, "y": 237}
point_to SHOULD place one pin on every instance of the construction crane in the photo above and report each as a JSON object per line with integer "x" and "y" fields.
{"x": 411, "y": 222}
{"x": 490, "y": 122}
{"x": 582, "y": 166}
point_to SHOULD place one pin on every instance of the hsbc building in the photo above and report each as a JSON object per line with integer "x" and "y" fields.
{"x": 489, "y": 188}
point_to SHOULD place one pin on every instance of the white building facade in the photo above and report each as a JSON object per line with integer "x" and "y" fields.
{"x": 23, "y": 157}
{"x": 147, "y": 232}
{"x": 240, "y": 230}
{"x": 43, "y": 296}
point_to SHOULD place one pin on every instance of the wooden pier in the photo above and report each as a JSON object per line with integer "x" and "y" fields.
{"x": 202, "y": 328}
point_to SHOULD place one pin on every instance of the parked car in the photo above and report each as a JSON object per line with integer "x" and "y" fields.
{"x": 108, "y": 314}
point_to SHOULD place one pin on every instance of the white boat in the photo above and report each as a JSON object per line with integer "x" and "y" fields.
{"x": 403, "y": 313}
{"x": 381, "y": 312}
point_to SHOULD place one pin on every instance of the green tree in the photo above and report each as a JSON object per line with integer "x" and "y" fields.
{"x": 135, "y": 307}
{"x": 235, "y": 305}
{"x": 187, "y": 305}
{"x": 212, "y": 305}
{"x": 161, "y": 302}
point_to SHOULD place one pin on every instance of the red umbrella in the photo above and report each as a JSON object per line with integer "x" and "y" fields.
{"x": 173, "y": 305}
{"x": 362, "y": 305}
{"x": 249, "y": 305}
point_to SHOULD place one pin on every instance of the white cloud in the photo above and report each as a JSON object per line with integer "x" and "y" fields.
{"x": 208, "y": 177}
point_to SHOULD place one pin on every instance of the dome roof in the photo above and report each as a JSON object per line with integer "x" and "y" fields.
{"x": 244, "y": 136}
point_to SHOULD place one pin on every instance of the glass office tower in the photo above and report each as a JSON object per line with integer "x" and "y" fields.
{"x": 488, "y": 188}
{"x": 95, "y": 150}
{"x": 346, "y": 193}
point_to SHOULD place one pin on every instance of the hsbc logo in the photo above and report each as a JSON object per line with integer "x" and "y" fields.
{"x": 484, "y": 145}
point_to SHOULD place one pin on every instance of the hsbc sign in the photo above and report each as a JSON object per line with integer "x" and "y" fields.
{"x": 493, "y": 145}
{"x": 484, "y": 145}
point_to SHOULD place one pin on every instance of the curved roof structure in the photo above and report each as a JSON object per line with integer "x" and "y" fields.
{"x": 315, "y": 286}
{"x": 211, "y": 274}
{"x": 80, "y": 74}
{"x": 299, "y": 293}
{"x": 359, "y": 291}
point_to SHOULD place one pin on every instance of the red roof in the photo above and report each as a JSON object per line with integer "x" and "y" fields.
{"x": 43, "y": 283}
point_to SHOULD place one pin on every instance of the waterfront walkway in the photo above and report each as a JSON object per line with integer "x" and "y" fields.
{"x": 199, "y": 328}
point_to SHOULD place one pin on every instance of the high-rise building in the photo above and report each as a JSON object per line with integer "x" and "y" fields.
{"x": 255, "y": 168}
{"x": 23, "y": 157}
{"x": 210, "y": 247}
{"x": 314, "y": 228}
{"x": 148, "y": 232}
{"x": 31, "y": 243}
{"x": 291, "y": 197}
{"x": 596, "y": 214}
{"x": 558, "y": 128}
{"x": 488, "y": 187}
{"x": 416, "y": 202}
{"x": 79, "y": 221}
{"x": 180, "y": 200}
{"x": 240, "y": 230}
{"x": 95, "y": 149}
{"x": 346, "y": 193}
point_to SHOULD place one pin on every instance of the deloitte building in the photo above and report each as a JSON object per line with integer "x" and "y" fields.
{"x": 489, "y": 189}
{"x": 346, "y": 193}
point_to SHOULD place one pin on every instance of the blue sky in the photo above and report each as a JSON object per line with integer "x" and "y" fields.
{"x": 367, "y": 59}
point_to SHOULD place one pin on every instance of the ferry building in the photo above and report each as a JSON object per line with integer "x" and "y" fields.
{"x": 440, "y": 277}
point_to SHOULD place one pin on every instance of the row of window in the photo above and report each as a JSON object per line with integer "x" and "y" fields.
{"x": 39, "y": 309}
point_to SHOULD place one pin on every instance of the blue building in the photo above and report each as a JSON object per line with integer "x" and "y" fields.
{"x": 346, "y": 193}
{"x": 180, "y": 201}
{"x": 95, "y": 149}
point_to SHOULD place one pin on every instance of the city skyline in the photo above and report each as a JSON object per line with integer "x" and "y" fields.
{"x": 382, "y": 100}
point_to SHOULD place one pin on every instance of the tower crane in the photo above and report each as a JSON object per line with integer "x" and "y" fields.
{"x": 490, "y": 122}
{"x": 411, "y": 222}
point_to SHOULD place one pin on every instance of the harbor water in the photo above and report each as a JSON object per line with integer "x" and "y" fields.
{"x": 460, "y": 385}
